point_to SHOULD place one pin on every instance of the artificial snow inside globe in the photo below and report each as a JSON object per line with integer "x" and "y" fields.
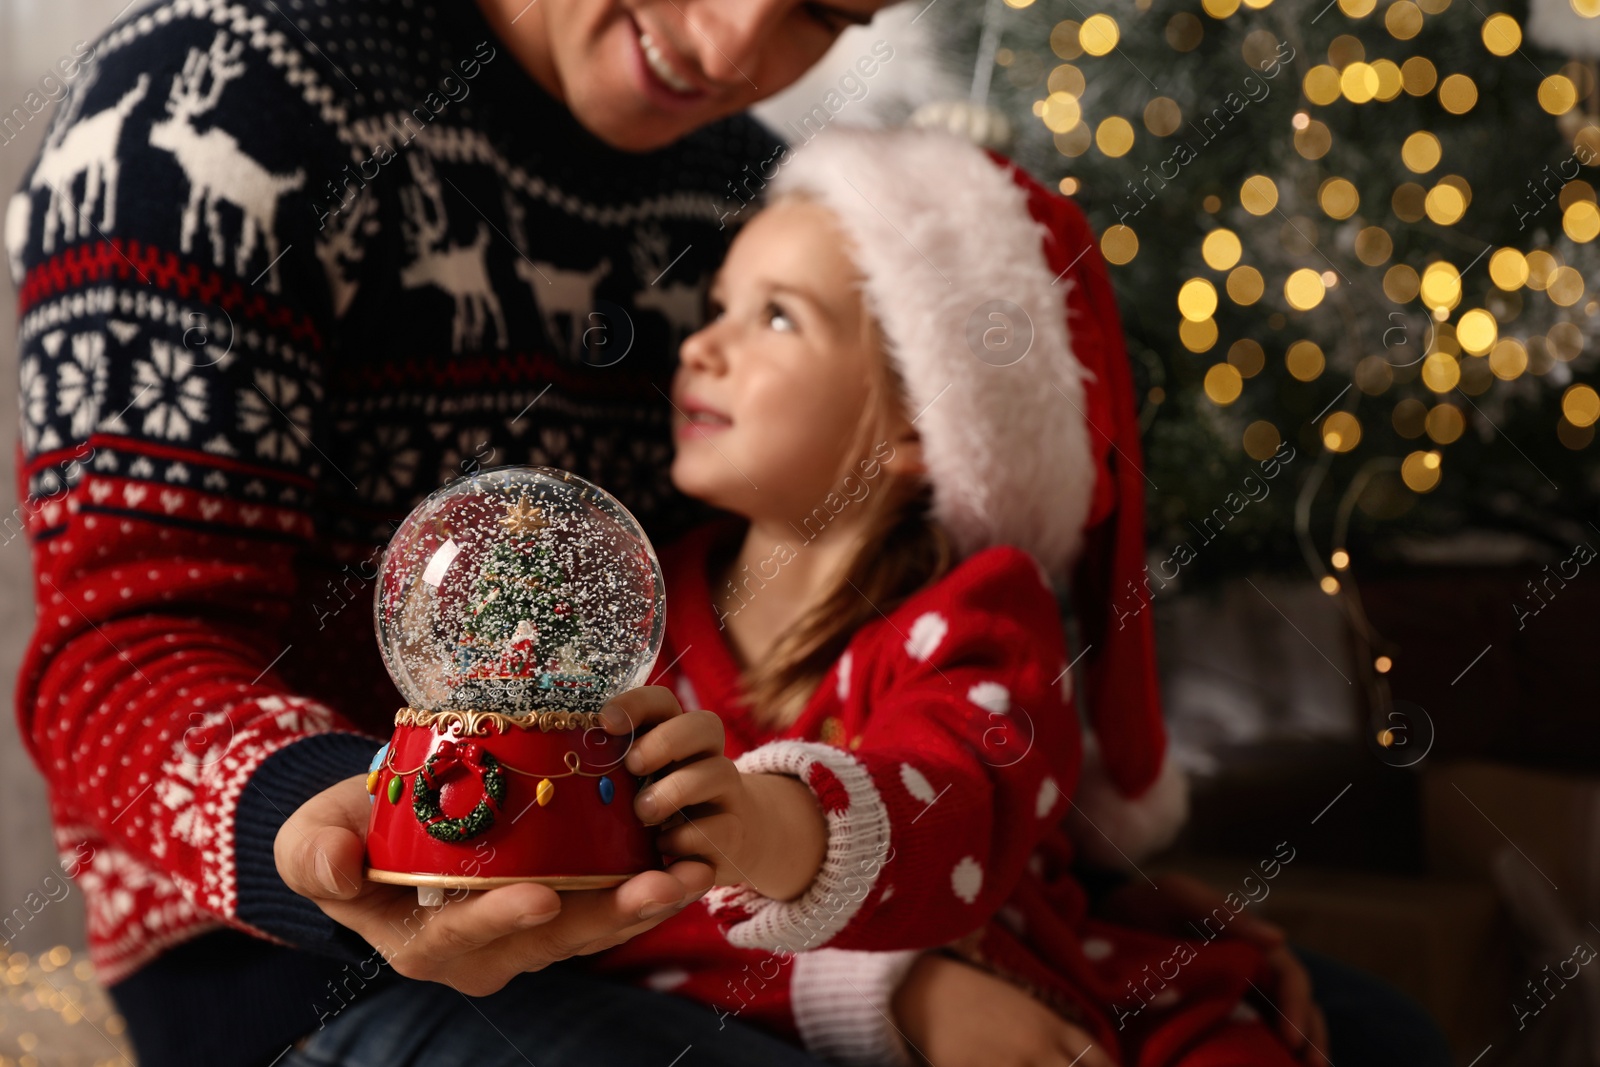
{"x": 511, "y": 605}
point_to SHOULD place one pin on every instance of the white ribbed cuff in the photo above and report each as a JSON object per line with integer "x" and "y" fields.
{"x": 841, "y": 1002}
{"x": 858, "y": 847}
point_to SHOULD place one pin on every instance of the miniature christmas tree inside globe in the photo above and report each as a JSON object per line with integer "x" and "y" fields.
{"x": 519, "y": 590}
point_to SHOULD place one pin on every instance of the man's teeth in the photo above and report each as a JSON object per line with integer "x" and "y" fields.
{"x": 658, "y": 64}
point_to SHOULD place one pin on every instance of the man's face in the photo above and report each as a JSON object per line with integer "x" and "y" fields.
{"x": 640, "y": 74}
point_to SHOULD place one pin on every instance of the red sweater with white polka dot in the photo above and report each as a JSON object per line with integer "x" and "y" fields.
{"x": 942, "y": 746}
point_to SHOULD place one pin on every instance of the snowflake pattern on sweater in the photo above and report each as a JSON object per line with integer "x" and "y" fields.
{"x": 283, "y": 269}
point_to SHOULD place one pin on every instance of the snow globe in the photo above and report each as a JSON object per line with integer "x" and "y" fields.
{"x": 511, "y": 605}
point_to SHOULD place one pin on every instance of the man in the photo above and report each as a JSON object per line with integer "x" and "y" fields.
{"x": 285, "y": 268}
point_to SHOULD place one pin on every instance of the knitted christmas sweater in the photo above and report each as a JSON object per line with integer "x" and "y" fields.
{"x": 942, "y": 746}
{"x": 283, "y": 269}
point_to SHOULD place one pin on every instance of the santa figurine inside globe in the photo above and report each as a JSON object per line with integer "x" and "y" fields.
{"x": 512, "y": 605}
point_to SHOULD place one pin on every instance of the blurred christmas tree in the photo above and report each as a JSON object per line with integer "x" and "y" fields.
{"x": 1362, "y": 230}
{"x": 520, "y": 618}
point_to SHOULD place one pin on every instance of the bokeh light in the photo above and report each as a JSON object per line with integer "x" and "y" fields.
{"x": 1223, "y": 384}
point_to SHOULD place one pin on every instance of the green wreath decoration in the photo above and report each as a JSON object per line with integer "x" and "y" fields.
{"x": 425, "y": 793}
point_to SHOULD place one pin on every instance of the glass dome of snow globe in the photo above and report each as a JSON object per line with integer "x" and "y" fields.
{"x": 519, "y": 590}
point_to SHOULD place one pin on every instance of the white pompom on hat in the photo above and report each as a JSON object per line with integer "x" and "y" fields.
{"x": 998, "y": 315}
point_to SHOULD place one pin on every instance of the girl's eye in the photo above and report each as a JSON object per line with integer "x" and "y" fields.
{"x": 778, "y": 320}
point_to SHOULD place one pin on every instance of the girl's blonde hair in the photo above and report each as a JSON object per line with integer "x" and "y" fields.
{"x": 902, "y": 549}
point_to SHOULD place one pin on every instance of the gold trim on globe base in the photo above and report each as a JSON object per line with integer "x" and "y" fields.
{"x": 449, "y": 881}
{"x": 473, "y": 723}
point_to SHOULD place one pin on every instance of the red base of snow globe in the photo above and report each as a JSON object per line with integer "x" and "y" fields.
{"x": 478, "y": 799}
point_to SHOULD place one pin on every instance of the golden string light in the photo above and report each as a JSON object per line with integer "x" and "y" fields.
{"x": 1295, "y": 254}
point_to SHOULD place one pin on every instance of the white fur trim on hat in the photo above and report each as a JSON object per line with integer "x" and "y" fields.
{"x": 1115, "y": 832}
{"x": 939, "y": 230}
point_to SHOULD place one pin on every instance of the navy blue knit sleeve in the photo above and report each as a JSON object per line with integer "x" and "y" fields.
{"x": 284, "y": 781}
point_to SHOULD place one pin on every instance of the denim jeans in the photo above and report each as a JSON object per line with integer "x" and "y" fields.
{"x": 560, "y": 1017}
{"x": 557, "y": 1017}
{"x": 1370, "y": 1023}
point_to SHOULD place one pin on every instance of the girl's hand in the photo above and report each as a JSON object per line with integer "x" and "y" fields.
{"x": 762, "y": 830}
{"x": 948, "y": 1011}
{"x": 1176, "y": 901}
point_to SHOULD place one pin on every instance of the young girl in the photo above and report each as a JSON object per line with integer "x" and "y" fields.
{"x": 887, "y": 402}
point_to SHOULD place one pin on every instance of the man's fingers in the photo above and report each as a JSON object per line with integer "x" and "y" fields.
{"x": 1318, "y": 1050}
{"x": 563, "y": 923}
{"x": 599, "y": 918}
{"x": 598, "y": 911}
{"x": 320, "y": 849}
{"x": 1092, "y": 1056}
{"x": 1293, "y": 997}
{"x": 1080, "y": 1049}
{"x": 474, "y": 942}
{"x": 644, "y": 892}
{"x": 1258, "y": 931}
{"x": 690, "y": 872}
{"x": 694, "y": 733}
{"x": 467, "y": 921}
{"x": 1190, "y": 893}
{"x": 1301, "y": 1023}
{"x": 338, "y": 860}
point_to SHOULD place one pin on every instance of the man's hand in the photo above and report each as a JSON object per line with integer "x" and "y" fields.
{"x": 955, "y": 1015}
{"x": 762, "y": 830}
{"x": 1177, "y": 903}
{"x": 476, "y": 942}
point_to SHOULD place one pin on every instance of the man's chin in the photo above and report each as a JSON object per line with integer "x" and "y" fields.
{"x": 630, "y": 130}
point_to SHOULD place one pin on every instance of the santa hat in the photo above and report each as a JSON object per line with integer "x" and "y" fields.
{"x": 998, "y": 314}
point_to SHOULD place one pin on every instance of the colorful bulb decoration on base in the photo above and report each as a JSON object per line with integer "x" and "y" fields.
{"x": 512, "y": 604}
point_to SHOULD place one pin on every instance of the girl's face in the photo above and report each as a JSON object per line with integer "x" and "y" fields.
{"x": 770, "y": 396}
{"x": 640, "y": 74}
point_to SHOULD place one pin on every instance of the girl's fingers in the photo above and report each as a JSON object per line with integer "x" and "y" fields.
{"x": 693, "y": 733}
{"x": 700, "y": 782}
{"x": 714, "y": 838}
{"x": 640, "y": 709}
